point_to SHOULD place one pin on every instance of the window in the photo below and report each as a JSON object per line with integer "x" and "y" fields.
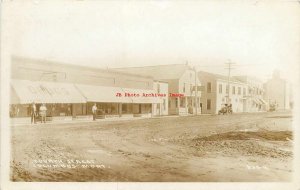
{"x": 191, "y": 88}
{"x": 244, "y": 91}
{"x": 183, "y": 87}
{"x": 233, "y": 90}
{"x": 227, "y": 89}
{"x": 164, "y": 104}
{"x": 220, "y": 89}
{"x": 176, "y": 102}
{"x": 208, "y": 104}
{"x": 208, "y": 87}
{"x": 148, "y": 108}
{"x": 182, "y": 102}
{"x": 239, "y": 90}
{"x": 158, "y": 88}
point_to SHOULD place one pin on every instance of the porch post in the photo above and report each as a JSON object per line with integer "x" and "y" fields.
{"x": 152, "y": 109}
{"x": 178, "y": 105}
{"x": 73, "y": 111}
{"x": 186, "y": 107}
{"x": 120, "y": 109}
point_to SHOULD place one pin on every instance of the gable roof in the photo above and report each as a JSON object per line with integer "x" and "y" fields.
{"x": 246, "y": 78}
{"x": 162, "y": 72}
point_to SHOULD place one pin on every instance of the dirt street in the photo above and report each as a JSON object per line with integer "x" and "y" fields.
{"x": 238, "y": 147}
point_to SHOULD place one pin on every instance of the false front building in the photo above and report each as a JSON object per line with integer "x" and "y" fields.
{"x": 184, "y": 94}
{"x": 69, "y": 91}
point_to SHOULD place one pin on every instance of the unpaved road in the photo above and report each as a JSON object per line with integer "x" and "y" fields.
{"x": 238, "y": 147}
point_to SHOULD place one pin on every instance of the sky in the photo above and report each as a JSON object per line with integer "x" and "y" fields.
{"x": 258, "y": 36}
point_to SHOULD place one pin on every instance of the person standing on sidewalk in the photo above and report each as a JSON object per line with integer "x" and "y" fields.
{"x": 43, "y": 112}
{"x": 94, "y": 111}
{"x": 33, "y": 113}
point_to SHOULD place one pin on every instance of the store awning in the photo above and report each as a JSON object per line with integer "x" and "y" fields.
{"x": 262, "y": 101}
{"x": 256, "y": 100}
{"x": 109, "y": 94}
{"x": 25, "y": 92}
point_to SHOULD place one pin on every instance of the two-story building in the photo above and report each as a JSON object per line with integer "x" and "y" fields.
{"x": 216, "y": 93}
{"x": 254, "y": 97}
{"x": 184, "y": 94}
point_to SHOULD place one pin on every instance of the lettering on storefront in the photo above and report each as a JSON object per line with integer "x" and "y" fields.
{"x": 52, "y": 91}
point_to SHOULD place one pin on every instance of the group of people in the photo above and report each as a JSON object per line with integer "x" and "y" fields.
{"x": 34, "y": 113}
{"x": 42, "y": 112}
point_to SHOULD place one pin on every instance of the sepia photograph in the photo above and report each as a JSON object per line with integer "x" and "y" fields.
{"x": 149, "y": 91}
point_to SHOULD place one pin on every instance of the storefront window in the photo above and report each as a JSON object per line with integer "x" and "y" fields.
{"x": 147, "y": 108}
{"x": 127, "y": 108}
{"x": 19, "y": 110}
{"x": 79, "y": 109}
{"x": 114, "y": 108}
{"x": 59, "y": 109}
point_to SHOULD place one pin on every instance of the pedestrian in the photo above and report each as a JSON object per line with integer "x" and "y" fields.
{"x": 94, "y": 111}
{"x": 43, "y": 113}
{"x": 69, "y": 110}
{"x": 33, "y": 113}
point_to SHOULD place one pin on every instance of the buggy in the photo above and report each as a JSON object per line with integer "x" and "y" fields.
{"x": 226, "y": 109}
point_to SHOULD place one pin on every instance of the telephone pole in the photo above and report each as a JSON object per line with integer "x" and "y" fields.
{"x": 196, "y": 92}
{"x": 229, "y": 67}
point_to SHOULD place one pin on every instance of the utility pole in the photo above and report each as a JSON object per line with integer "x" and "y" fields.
{"x": 196, "y": 92}
{"x": 229, "y": 67}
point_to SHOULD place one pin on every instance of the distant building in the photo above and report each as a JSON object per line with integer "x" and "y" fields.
{"x": 215, "y": 93}
{"x": 182, "y": 81}
{"x": 277, "y": 92}
{"x": 254, "y": 96}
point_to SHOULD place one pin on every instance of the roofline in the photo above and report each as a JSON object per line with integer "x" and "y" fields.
{"x": 153, "y": 66}
{"x": 249, "y": 77}
{"x": 218, "y": 78}
{"x": 160, "y": 81}
{"x": 44, "y": 62}
{"x": 231, "y": 81}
